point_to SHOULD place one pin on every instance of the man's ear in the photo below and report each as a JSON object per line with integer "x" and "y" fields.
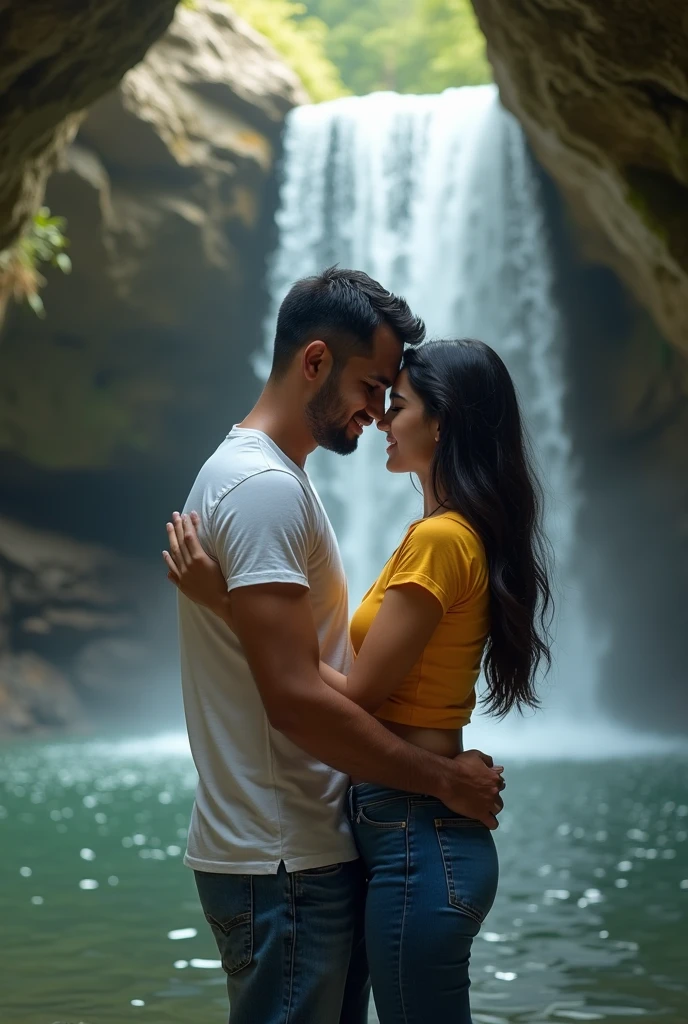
{"x": 316, "y": 361}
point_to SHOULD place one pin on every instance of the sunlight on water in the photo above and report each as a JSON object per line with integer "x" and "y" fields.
{"x": 590, "y": 921}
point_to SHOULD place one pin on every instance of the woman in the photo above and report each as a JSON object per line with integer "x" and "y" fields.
{"x": 475, "y": 567}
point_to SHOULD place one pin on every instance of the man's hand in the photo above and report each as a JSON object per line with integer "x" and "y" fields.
{"x": 472, "y": 787}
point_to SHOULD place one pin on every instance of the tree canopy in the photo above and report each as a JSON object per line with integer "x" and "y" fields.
{"x": 361, "y": 46}
{"x": 300, "y": 38}
{"x": 406, "y": 45}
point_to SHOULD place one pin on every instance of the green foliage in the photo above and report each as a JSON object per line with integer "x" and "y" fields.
{"x": 360, "y": 46}
{"x": 300, "y": 38}
{"x": 43, "y": 242}
{"x": 414, "y": 46}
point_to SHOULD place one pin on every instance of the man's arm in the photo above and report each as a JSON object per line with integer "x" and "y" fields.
{"x": 274, "y": 624}
{"x": 275, "y": 627}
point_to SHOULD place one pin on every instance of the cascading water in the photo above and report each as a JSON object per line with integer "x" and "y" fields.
{"x": 435, "y": 197}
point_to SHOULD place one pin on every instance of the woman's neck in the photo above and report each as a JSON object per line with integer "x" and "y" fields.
{"x": 433, "y": 503}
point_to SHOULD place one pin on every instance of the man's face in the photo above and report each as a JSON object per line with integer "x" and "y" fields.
{"x": 353, "y": 397}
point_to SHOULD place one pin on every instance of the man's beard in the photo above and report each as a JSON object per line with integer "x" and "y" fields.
{"x": 324, "y": 415}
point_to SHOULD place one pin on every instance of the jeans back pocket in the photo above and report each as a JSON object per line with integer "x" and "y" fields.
{"x": 471, "y": 867}
{"x": 227, "y": 902}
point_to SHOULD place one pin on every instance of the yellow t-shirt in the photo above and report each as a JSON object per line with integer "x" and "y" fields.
{"x": 444, "y": 555}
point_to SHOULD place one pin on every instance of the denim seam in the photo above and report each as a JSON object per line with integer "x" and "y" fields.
{"x": 403, "y": 922}
{"x": 235, "y": 922}
{"x": 380, "y": 803}
{"x": 326, "y": 871}
{"x": 398, "y": 825}
{"x": 250, "y": 950}
{"x": 228, "y": 926}
{"x": 458, "y": 823}
{"x": 449, "y": 877}
{"x": 291, "y": 899}
{"x": 418, "y": 798}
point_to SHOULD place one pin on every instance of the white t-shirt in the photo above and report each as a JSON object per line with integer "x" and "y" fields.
{"x": 260, "y": 799}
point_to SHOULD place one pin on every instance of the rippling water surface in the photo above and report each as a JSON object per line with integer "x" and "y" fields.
{"x": 100, "y": 920}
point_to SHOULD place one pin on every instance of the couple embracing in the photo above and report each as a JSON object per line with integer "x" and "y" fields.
{"x": 340, "y": 834}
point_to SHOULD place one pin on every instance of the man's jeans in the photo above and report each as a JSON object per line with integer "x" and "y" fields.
{"x": 291, "y": 944}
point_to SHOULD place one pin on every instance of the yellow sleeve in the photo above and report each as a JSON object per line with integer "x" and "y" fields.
{"x": 436, "y": 555}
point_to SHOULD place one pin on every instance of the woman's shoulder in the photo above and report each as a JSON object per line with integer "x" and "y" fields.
{"x": 447, "y": 528}
{"x": 446, "y": 549}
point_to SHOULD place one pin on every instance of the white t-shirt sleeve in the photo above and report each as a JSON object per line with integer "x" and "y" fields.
{"x": 261, "y": 531}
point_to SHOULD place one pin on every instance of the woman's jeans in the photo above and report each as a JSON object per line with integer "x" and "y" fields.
{"x": 432, "y": 878}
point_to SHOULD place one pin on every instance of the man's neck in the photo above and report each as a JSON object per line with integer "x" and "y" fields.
{"x": 284, "y": 423}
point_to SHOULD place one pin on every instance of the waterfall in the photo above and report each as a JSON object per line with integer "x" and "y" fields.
{"x": 435, "y": 196}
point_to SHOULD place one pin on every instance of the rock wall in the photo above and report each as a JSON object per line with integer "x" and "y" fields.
{"x": 602, "y": 92}
{"x": 628, "y": 423}
{"x": 77, "y": 635}
{"x": 55, "y": 60}
{"x": 108, "y": 405}
{"x": 167, "y": 195}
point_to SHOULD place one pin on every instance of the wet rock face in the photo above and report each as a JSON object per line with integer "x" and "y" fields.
{"x": 85, "y": 609}
{"x": 167, "y": 195}
{"x": 602, "y": 92}
{"x": 35, "y": 696}
{"x": 55, "y": 60}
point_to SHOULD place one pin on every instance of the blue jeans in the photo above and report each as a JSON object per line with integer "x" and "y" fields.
{"x": 291, "y": 945}
{"x": 432, "y": 878}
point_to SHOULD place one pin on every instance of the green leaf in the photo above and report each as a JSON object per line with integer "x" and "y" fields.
{"x": 299, "y": 38}
{"x": 36, "y": 303}
{"x": 63, "y": 261}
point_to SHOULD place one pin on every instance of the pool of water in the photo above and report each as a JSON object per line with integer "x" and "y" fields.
{"x": 100, "y": 921}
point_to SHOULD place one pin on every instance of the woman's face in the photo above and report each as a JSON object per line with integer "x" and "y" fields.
{"x": 411, "y": 436}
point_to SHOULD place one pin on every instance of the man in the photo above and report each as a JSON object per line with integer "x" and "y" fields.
{"x": 275, "y": 864}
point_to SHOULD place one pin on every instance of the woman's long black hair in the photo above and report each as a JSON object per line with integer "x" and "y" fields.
{"x": 482, "y": 469}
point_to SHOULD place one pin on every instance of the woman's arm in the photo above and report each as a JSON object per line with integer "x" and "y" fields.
{"x": 399, "y": 634}
{"x": 337, "y": 680}
{"x": 408, "y": 617}
{"x": 194, "y": 573}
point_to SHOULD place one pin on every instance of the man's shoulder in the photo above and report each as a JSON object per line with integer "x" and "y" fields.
{"x": 246, "y": 477}
{"x": 242, "y": 458}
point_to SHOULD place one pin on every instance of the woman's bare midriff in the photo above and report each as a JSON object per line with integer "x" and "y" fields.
{"x": 445, "y": 742}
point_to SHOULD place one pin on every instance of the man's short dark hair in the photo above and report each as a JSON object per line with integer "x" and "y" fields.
{"x": 342, "y": 308}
